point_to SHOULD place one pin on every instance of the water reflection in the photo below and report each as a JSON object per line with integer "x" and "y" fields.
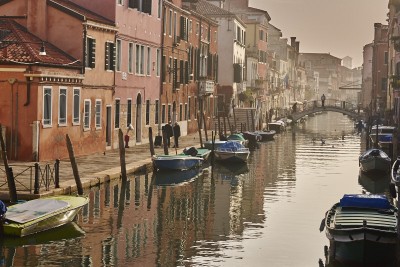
{"x": 375, "y": 183}
{"x": 263, "y": 213}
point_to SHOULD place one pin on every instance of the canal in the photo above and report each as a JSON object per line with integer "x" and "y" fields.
{"x": 265, "y": 213}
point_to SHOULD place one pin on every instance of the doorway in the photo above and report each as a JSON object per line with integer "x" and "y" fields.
{"x": 108, "y": 126}
{"x": 138, "y": 118}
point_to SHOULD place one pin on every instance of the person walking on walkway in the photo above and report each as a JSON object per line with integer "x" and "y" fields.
{"x": 168, "y": 133}
{"x": 323, "y": 100}
{"x": 177, "y": 134}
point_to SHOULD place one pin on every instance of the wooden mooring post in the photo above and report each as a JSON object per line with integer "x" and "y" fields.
{"x": 74, "y": 166}
{"x": 9, "y": 173}
{"x": 152, "y": 152}
{"x": 122, "y": 156}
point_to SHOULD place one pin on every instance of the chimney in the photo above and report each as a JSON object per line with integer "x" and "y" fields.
{"x": 37, "y": 17}
{"x": 298, "y": 46}
{"x": 292, "y": 41}
{"x": 378, "y": 31}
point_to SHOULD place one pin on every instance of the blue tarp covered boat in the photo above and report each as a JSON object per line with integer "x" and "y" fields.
{"x": 232, "y": 151}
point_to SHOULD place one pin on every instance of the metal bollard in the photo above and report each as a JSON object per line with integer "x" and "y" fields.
{"x": 57, "y": 174}
{"x": 36, "y": 185}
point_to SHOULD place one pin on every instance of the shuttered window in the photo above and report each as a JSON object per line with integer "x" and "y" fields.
{"x": 109, "y": 56}
{"x": 90, "y": 53}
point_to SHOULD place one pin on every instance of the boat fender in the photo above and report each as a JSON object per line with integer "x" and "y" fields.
{"x": 392, "y": 190}
{"x": 3, "y": 210}
{"x": 322, "y": 226}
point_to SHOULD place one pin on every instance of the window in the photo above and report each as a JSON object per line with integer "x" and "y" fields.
{"x": 386, "y": 57}
{"x": 148, "y": 67}
{"x": 197, "y": 28}
{"x": 90, "y": 53}
{"x": 139, "y": 59}
{"x": 77, "y": 106}
{"x": 130, "y": 58}
{"x": 109, "y": 56}
{"x": 156, "y": 114}
{"x": 163, "y": 114}
{"x": 159, "y": 8}
{"x": 169, "y": 112}
{"x": 120, "y": 2}
{"x": 62, "y": 107}
{"x": 147, "y": 112}
{"x": 117, "y": 112}
{"x": 47, "y": 106}
{"x": 158, "y": 63}
{"x": 195, "y": 108}
{"x": 180, "y": 112}
{"x": 261, "y": 35}
{"x": 141, "y": 5}
{"x": 129, "y": 112}
{"x": 165, "y": 20}
{"x": 188, "y": 110}
{"x": 98, "y": 113}
{"x": 170, "y": 23}
{"x": 190, "y": 26}
{"x": 86, "y": 113}
{"x": 119, "y": 55}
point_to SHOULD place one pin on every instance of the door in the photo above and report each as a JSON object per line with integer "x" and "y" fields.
{"x": 138, "y": 118}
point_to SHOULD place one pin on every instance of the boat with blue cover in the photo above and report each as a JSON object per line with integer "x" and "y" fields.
{"x": 232, "y": 151}
{"x": 176, "y": 162}
{"x": 360, "y": 225}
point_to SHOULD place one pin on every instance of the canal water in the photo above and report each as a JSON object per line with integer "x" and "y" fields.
{"x": 265, "y": 213}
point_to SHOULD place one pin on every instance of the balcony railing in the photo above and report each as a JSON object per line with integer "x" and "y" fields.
{"x": 206, "y": 87}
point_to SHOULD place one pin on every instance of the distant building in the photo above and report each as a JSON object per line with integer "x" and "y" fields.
{"x": 347, "y": 62}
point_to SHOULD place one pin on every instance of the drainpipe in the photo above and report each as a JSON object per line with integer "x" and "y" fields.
{"x": 162, "y": 74}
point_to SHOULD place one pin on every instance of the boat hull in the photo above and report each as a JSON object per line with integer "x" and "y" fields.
{"x": 178, "y": 162}
{"x": 50, "y": 221}
{"x": 276, "y": 126}
{"x": 232, "y": 156}
{"x": 267, "y": 135}
{"x": 375, "y": 164}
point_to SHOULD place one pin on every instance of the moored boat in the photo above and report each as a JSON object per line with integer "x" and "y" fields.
{"x": 266, "y": 135}
{"x": 203, "y": 153}
{"x": 209, "y": 144}
{"x": 41, "y": 214}
{"x": 360, "y": 224}
{"x": 374, "y": 160}
{"x": 232, "y": 151}
{"x": 277, "y": 126}
{"x": 176, "y": 162}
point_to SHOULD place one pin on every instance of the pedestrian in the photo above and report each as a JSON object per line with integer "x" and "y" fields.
{"x": 294, "y": 107}
{"x": 177, "y": 134}
{"x": 323, "y": 100}
{"x": 168, "y": 133}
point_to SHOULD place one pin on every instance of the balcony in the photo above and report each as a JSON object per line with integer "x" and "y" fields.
{"x": 206, "y": 87}
{"x": 395, "y": 82}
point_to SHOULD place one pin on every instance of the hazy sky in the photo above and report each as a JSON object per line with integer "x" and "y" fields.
{"x": 338, "y": 27}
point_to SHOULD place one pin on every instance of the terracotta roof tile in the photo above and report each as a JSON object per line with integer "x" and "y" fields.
{"x": 18, "y": 45}
{"x": 205, "y": 8}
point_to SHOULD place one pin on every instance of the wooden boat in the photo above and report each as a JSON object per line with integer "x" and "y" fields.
{"x": 360, "y": 225}
{"x": 374, "y": 160}
{"x": 383, "y": 135}
{"x": 176, "y": 162}
{"x": 203, "y": 153}
{"x": 217, "y": 143}
{"x": 41, "y": 214}
{"x": 266, "y": 135}
{"x": 232, "y": 151}
{"x": 395, "y": 178}
{"x": 252, "y": 136}
{"x": 277, "y": 126}
{"x": 237, "y": 137}
{"x": 172, "y": 178}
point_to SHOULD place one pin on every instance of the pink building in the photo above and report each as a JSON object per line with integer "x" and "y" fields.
{"x": 135, "y": 56}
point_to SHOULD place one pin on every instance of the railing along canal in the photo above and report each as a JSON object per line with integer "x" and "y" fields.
{"x": 32, "y": 178}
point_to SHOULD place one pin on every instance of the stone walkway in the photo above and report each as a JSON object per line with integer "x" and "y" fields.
{"x": 93, "y": 169}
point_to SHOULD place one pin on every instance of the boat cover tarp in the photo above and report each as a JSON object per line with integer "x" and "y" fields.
{"x": 365, "y": 201}
{"x": 231, "y": 145}
{"x": 237, "y": 137}
{"x": 34, "y": 209}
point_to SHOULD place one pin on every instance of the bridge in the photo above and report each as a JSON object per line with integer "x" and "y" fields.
{"x": 333, "y": 105}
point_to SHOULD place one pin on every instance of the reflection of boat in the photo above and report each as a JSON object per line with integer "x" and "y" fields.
{"x": 232, "y": 151}
{"x": 340, "y": 255}
{"x": 176, "y": 162}
{"x": 361, "y": 226}
{"x": 41, "y": 214}
{"x": 176, "y": 177}
{"x": 374, "y": 183}
{"x": 374, "y": 160}
{"x": 67, "y": 231}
